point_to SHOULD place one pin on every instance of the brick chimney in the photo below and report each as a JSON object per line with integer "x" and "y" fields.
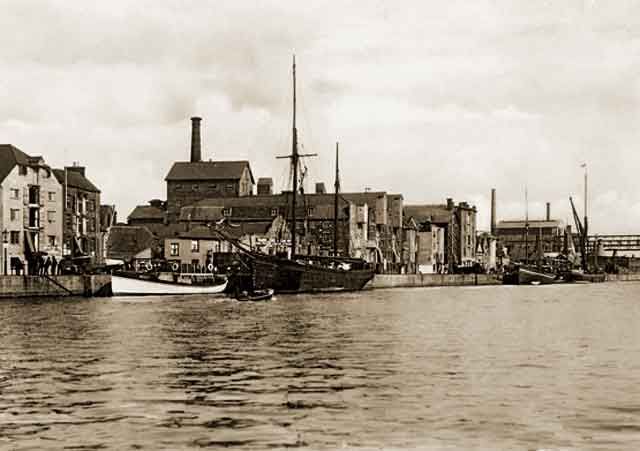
{"x": 320, "y": 189}
{"x": 493, "y": 211}
{"x": 76, "y": 168}
{"x": 195, "y": 140}
{"x": 450, "y": 204}
{"x": 548, "y": 211}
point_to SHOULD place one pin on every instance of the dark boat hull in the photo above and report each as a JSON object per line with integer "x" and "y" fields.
{"x": 532, "y": 277}
{"x": 286, "y": 276}
{"x": 580, "y": 277}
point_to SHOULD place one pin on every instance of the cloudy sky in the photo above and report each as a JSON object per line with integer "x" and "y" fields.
{"x": 428, "y": 99}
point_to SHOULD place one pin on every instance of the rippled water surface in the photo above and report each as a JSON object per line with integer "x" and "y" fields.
{"x": 490, "y": 368}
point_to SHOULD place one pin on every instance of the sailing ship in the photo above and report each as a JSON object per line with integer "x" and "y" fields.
{"x": 537, "y": 273}
{"x": 301, "y": 273}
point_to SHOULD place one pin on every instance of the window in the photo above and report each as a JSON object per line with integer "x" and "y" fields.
{"x": 15, "y": 193}
{"x": 195, "y": 246}
{"x": 52, "y": 241}
{"x": 230, "y": 188}
{"x": 22, "y": 170}
{"x": 91, "y": 205}
{"x": 195, "y": 187}
{"x": 226, "y": 212}
{"x": 178, "y": 186}
{"x": 14, "y": 214}
{"x": 175, "y": 249}
{"x": 274, "y": 211}
{"x": 310, "y": 211}
{"x": 51, "y": 216}
{"x": 15, "y": 237}
{"x": 213, "y": 187}
{"x": 52, "y": 196}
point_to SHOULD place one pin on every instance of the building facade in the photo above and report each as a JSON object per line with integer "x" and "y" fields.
{"x": 31, "y": 210}
{"x": 520, "y": 238}
{"x": 458, "y": 222}
{"x": 82, "y": 233}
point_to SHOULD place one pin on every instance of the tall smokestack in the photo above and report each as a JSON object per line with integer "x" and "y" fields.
{"x": 548, "y": 211}
{"x": 195, "y": 139}
{"x": 493, "y": 211}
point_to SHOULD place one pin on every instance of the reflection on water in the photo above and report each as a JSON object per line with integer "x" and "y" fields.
{"x": 453, "y": 368}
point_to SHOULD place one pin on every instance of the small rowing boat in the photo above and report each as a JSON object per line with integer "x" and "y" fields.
{"x": 256, "y": 295}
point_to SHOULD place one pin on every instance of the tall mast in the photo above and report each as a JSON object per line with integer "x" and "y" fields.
{"x": 295, "y": 158}
{"x": 526, "y": 226}
{"x": 586, "y": 222}
{"x": 335, "y": 206}
{"x": 294, "y": 162}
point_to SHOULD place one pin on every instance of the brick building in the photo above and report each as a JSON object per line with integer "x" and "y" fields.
{"x": 81, "y": 227}
{"x": 30, "y": 208}
{"x": 191, "y": 181}
{"x": 459, "y": 225}
{"x": 520, "y": 237}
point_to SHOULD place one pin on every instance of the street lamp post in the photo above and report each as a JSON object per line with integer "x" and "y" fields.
{"x": 5, "y": 244}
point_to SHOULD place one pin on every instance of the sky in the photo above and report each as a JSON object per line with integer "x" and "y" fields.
{"x": 430, "y": 99}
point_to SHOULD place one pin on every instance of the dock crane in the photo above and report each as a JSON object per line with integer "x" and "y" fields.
{"x": 582, "y": 232}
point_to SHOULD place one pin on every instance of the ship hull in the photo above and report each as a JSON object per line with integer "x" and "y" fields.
{"x": 532, "y": 277}
{"x": 286, "y": 276}
{"x": 131, "y": 286}
{"x": 580, "y": 277}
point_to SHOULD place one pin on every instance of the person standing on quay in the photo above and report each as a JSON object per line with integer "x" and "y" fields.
{"x": 54, "y": 264}
{"x": 45, "y": 267}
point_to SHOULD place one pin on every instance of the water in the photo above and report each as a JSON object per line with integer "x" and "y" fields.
{"x": 487, "y": 368}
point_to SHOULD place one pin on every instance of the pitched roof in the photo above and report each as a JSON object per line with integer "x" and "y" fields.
{"x": 201, "y": 213}
{"x": 437, "y": 213}
{"x": 10, "y": 156}
{"x": 147, "y": 212}
{"x": 75, "y": 179}
{"x": 208, "y": 170}
{"x": 126, "y": 241}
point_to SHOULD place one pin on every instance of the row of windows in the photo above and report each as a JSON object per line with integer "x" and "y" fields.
{"x": 175, "y": 248}
{"x": 229, "y": 188}
{"x": 23, "y": 170}
{"x": 14, "y": 215}
{"x": 15, "y": 194}
{"x": 14, "y": 238}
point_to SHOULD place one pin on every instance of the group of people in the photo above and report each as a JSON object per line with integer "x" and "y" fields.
{"x": 38, "y": 265}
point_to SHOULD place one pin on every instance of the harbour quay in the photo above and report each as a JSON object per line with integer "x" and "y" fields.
{"x": 95, "y": 285}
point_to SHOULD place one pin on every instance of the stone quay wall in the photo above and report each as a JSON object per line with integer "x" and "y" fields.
{"x": 431, "y": 280}
{"x": 68, "y": 285}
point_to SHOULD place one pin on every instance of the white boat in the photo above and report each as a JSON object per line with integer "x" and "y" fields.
{"x": 133, "y": 286}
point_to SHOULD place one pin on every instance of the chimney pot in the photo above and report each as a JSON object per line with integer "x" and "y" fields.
{"x": 196, "y": 155}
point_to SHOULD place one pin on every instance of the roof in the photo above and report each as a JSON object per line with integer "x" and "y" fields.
{"x": 436, "y": 213}
{"x": 201, "y": 213}
{"x": 533, "y": 223}
{"x": 234, "y": 230}
{"x": 208, "y": 170}
{"x": 258, "y": 207}
{"x": 10, "y": 156}
{"x": 265, "y": 181}
{"x": 75, "y": 180}
{"x": 126, "y": 241}
{"x": 147, "y": 212}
